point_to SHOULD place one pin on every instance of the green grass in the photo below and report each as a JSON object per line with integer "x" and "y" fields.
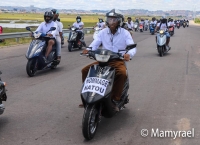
{"x": 197, "y": 20}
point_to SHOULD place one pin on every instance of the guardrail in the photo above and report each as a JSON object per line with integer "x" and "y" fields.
{"x": 27, "y": 34}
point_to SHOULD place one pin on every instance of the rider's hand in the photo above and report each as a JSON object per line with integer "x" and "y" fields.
{"x": 85, "y": 51}
{"x": 126, "y": 57}
{"x": 49, "y": 35}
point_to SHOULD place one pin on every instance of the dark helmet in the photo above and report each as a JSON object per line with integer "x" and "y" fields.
{"x": 78, "y": 18}
{"x": 153, "y": 19}
{"x": 117, "y": 14}
{"x": 163, "y": 19}
{"x": 48, "y": 14}
{"x": 55, "y": 11}
{"x": 129, "y": 18}
{"x": 101, "y": 20}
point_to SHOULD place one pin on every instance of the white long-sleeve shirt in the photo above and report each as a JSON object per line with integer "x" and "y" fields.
{"x": 44, "y": 27}
{"x": 60, "y": 26}
{"x": 131, "y": 25}
{"x": 115, "y": 42}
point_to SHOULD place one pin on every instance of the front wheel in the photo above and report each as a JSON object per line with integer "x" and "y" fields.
{"x": 69, "y": 46}
{"x": 160, "y": 50}
{"x": 90, "y": 122}
{"x": 31, "y": 67}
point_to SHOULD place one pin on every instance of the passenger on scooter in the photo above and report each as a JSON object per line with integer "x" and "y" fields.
{"x": 164, "y": 26}
{"x": 130, "y": 23}
{"x": 58, "y": 34}
{"x": 78, "y": 24}
{"x": 113, "y": 38}
{"x": 44, "y": 27}
{"x": 100, "y": 24}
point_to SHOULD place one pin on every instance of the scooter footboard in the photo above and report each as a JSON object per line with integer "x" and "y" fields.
{"x": 108, "y": 110}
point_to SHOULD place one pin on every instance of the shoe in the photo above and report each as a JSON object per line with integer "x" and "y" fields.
{"x": 45, "y": 59}
{"x": 115, "y": 105}
{"x": 80, "y": 105}
{"x": 58, "y": 59}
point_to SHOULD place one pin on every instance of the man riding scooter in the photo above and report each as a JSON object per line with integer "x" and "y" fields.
{"x": 43, "y": 28}
{"x": 163, "y": 25}
{"x": 58, "y": 34}
{"x": 78, "y": 24}
{"x": 130, "y": 23}
{"x": 100, "y": 24}
{"x": 113, "y": 38}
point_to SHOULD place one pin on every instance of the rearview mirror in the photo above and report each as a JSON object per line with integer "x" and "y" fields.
{"x": 28, "y": 28}
{"x": 52, "y": 28}
{"x": 131, "y": 46}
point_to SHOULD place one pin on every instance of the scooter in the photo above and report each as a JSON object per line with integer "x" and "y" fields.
{"x": 73, "y": 40}
{"x": 36, "y": 52}
{"x": 62, "y": 39}
{"x": 184, "y": 24}
{"x": 187, "y": 24}
{"x": 3, "y": 96}
{"x": 141, "y": 27}
{"x": 96, "y": 32}
{"x": 178, "y": 25}
{"x": 136, "y": 26}
{"x": 161, "y": 43}
{"x": 97, "y": 88}
{"x": 152, "y": 28}
{"x": 146, "y": 27}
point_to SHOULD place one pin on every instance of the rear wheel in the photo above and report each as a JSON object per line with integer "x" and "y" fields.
{"x": 90, "y": 122}
{"x": 31, "y": 67}
{"x": 69, "y": 46}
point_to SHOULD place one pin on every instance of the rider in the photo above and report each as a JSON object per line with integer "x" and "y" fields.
{"x": 43, "y": 28}
{"x": 130, "y": 23}
{"x": 100, "y": 24}
{"x": 113, "y": 38}
{"x": 58, "y": 34}
{"x": 163, "y": 25}
{"x": 146, "y": 22}
{"x": 153, "y": 21}
{"x": 78, "y": 24}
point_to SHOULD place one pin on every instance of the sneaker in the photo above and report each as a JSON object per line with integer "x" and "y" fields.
{"x": 115, "y": 105}
{"x": 80, "y": 105}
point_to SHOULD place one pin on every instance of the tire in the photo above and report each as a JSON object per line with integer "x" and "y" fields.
{"x": 88, "y": 128}
{"x": 135, "y": 29}
{"x": 160, "y": 51}
{"x": 69, "y": 46}
{"x": 30, "y": 67}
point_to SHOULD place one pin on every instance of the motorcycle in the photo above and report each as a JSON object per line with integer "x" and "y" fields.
{"x": 184, "y": 24}
{"x": 171, "y": 30}
{"x": 136, "y": 26}
{"x": 141, "y": 27}
{"x": 97, "y": 30}
{"x": 152, "y": 28}
{"x": 97, "y": 88}
{"x": 36, "y": 52}
{"x": 73, "y": 40}
{"x": 161, "y": 43}
{"x": 3, "y": 96}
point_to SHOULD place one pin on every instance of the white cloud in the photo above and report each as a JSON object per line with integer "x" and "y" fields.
{"x": 107, "y": 5}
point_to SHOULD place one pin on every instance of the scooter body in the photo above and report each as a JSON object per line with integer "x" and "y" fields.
{"x": 3, "y": 96}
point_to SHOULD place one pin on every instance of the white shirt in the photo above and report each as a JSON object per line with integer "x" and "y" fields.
{"x": 78, "y": 25}
{"x": 163, "y": 26}
{"x": 142, "y": 22}
{"x": 131, "y": 25}
{"x": 115, "y": 42}
{"x": 146, "y": 21}
{"x": 59, "y": 28}
{"x": 101, "y": 25}
{"x": 44, "y": 27}
{"x": 153, "y": 22}
{"x": 170, "y": 23}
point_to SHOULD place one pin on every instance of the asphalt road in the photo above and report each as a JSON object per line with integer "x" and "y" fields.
{"x": 164, "y": 94}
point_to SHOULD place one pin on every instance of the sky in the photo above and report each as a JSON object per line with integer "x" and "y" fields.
{"x": 151, "y": 5}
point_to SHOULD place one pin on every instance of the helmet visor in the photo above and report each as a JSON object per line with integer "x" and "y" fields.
{"x": 111, "y": 20}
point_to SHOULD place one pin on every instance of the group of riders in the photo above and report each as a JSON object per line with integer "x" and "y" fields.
{"x": 114, "y": 36}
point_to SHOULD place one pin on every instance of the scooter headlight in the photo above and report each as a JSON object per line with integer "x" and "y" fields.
{"x": 102, "y": 58}
{"x": 161, "y": 31}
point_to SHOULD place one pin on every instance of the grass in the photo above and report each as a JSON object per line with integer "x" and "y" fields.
{"x": 66, "y": 19}
{"x": 197, "y": 20}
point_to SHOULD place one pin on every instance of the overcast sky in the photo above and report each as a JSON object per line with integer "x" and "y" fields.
{"x": 108, "y": 4}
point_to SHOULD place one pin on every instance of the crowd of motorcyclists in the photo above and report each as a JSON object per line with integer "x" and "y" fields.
{"x": 114, "y": 35}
